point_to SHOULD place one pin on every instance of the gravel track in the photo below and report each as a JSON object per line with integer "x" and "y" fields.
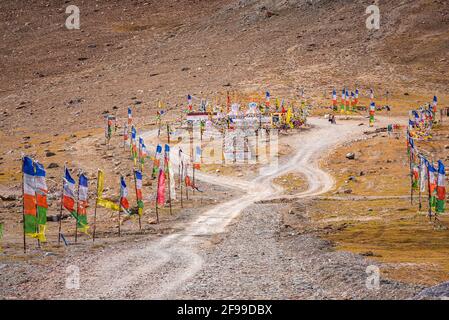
{"x": 254, "y": 257}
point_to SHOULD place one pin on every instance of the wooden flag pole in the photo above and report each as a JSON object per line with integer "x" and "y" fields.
{"x": 37, "y": 226}
{"x": 157, "y": 199}
{"x": 187, "y": 187}
{"x": 193, "y": 178}
{"x": 257, "y": 145}
{"x": 430, "y": 195}
{"x": 60, "y": 209}
{"x": 419, "y": 186}
{"x": 137, "y": 198}
{"x": 77, "y": 213}
{"x": 23, "y": 212}
{"x": 169, "y": 182}
{"x": 125, "y": 133}
{"x": 179, "y": 167}
{"x": 95, "y": 210}
{"x": 120, "y": 207}
{"x": 180, "y": 180}
{"x": 168, "y": 133}
{"x": 411, "y": 177}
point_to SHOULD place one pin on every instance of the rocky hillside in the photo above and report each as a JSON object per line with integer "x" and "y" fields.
{"x": 53, "y": 78}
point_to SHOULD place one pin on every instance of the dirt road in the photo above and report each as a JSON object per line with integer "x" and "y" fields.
{"x": 249, "y": 260}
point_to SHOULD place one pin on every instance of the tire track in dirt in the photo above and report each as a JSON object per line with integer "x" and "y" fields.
{"x": 156, "y": 269}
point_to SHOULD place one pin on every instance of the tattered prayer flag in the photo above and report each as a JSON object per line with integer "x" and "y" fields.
{"x": 170, "y": 172}
{"x": 41, "y": 200}
{"x": 104, "y": 202}
{"x": 124, "y": 203}
{"x": 197, "y": 158}
{"x": 432, "y": 184}
{"x": 189, "y": 102}
{"x": 434, "y": 104}
{"x": 130, "y": 116}
{"x": 161, "y": 188}
{"x": 441, "y": 188}
{"x": 422, "y": 174}
{"x": 415, "y": 176}
{"x": 68, "y": 197}
{"x": 29, "y": 197}
{"x": 133, "y": 144}
{"x": 82, "y": 204}
{"x": 288, "y": 117}
{"x": 372, "y": 111}
{"x": 267, "y": 99}
{"x": 157, "y": 161}
{"x": 138, "y": 176}
{"x": 125, "y": 132}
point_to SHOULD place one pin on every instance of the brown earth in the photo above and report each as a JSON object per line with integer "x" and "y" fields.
{"x": 369, "y": 212}
{"x": 56, "y": 86}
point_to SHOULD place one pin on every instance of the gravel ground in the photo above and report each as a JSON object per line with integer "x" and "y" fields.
{"x": 236, "y": 249}
{"x": 257, "y": 260}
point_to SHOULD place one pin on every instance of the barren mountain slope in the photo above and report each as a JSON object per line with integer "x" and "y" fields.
{"x": 165, "y": 49}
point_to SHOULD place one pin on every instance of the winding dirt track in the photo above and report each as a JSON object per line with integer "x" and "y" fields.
{"x": 155, "y": 270}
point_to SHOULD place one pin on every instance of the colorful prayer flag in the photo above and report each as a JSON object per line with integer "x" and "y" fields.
{"x": 197, "y": 158}
{"x": 41, "y": 200}
{"x": 441, "y": 188}
{"x": 29, "y": 197}
{"x": 104, "y": 202}
{"x": 372, "y": 111}
{"x": 125, "y": 132}
{"x": 83, "y": 196}
{"x": 68, "y": 196}
{"x": 432, "y": 184}
{"x": 189, "y": 102}
{"x": 434, "y": 104}
{"x": 124, "y": 203}
{"x": 423, "y": 174}
{"x": 130, "y": 116}
{"x": 156, "y": 161}
{"x": 161, "y": 188}
{"x": 140, "y": 206}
